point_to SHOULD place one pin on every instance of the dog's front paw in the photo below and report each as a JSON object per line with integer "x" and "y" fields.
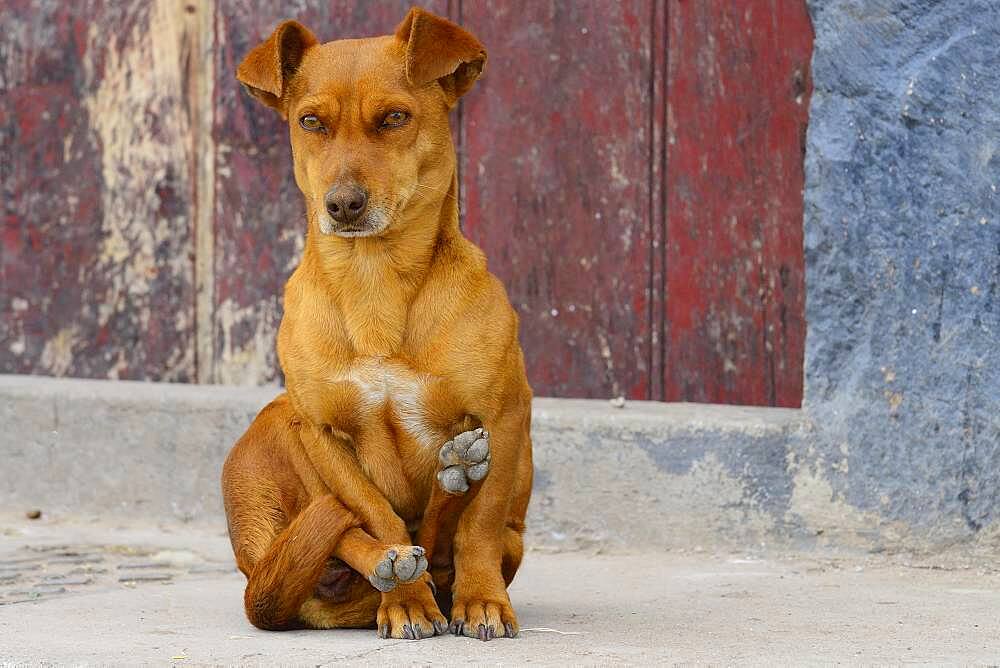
{"x": 466, "y": 459}
{"x": 399, "y": 565}
{"x": 410, "y": 612}
{"x": 484, "y": 618}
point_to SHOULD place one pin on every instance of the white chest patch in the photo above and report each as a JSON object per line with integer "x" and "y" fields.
{"x": 382, "y": 382}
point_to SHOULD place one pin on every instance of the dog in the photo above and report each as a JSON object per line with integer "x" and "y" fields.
{"x": 391, "y": 480}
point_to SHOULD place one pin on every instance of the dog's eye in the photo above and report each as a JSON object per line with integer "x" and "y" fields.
{"x": 395, "y": 119}
{"x": 311, "y": 123}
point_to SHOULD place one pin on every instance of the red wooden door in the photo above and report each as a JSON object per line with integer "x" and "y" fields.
{"x": 556, "y": 149}
{"x": 633, "y": 170}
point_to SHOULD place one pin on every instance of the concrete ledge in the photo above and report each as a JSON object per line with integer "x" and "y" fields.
{"x": 648, "y": 475}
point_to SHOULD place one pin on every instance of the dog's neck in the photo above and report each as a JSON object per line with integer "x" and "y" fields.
{"x": 373, "y": 280}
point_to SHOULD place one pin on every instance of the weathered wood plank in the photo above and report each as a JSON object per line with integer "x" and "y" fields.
{"x": 96, "y": 262}
{"x": 557, "y": 185}
{"x": 738, "y": 99}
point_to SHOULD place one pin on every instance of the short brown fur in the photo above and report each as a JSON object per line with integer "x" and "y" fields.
{"x": 395, "y": 338}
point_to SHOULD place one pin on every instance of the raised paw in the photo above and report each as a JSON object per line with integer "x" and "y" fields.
{"x": 483, "y": 619}
{"x": 399, "y": 565}
{"x": 466, "y": 459}
{"x": 410, "y": 612}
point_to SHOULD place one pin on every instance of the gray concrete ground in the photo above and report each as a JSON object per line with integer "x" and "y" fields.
{"x": 623, "y": 499}
{"x": 86, "y": 593}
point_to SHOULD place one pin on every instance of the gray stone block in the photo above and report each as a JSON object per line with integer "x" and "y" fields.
{"x": 902, "y": 242}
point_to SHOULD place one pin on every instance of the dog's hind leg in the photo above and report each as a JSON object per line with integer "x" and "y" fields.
{"x": 288, "y": 532}
{"x": 384, "y": 565}
{"x": 288, "y": 572}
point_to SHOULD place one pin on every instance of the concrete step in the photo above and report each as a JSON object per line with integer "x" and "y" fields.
{"x": 647, "y": 475}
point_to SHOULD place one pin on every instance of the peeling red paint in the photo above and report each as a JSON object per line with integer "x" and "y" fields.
{"x": 738, "y": 100}
{"x": 561, "y": 209}
{"x": 67, "y": 307}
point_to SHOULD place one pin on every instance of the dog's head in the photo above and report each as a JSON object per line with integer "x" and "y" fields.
{"x": 368, "y": 118}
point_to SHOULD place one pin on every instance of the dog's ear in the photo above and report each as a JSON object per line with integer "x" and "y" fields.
{"x": 267, "y": 69}
{"x": 437, "y": 49}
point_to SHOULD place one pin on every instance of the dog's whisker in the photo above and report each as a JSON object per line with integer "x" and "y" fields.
{"x": 436, "y": 191}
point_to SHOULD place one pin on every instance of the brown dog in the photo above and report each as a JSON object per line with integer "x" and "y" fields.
{"x": 404, "y": 374}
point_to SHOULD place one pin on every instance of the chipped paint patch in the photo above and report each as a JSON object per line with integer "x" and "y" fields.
{"x": 57, "y": 356}
{"x": 816, "y": 506}
{"x": 247, "y": 336}
{"x": 134, "y": 159}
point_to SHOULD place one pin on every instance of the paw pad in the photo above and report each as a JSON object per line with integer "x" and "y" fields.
{"x": 465, "y": 459}
{"x": 401, "y": 564}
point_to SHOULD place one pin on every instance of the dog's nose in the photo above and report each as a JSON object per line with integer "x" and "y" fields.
{"x": 345, "y": 204}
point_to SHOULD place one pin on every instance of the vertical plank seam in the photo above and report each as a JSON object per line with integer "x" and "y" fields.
{"x": 204, "y": 151}
{"x": 767, "y": 295}
{"x": 657, "y": 198}
{"x": 665, "y": 191}
{"x": 652, "y": 296}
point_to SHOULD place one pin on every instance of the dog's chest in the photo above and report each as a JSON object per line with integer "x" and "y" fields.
{"x": 383, "y": 383}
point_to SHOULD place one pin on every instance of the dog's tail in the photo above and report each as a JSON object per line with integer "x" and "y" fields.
{"x": 286, "y": 575}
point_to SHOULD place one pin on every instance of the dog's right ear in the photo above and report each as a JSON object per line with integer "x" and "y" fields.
{"x": 437, "y": 49}
{"x": 267, "y": 69}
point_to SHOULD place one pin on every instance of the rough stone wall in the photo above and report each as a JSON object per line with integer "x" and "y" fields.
{"x": 902, "y": 242}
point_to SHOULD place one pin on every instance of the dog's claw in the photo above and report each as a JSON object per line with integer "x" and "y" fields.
{"x": 383, "y": 631}
{"x": 482, "y": 633}
{"x": 510, "y": 630}
{"x": 439, "y": 628}
{"x": 458, "y": 627}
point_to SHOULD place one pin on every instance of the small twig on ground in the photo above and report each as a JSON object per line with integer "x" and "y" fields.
{"x": 544, "y": 629}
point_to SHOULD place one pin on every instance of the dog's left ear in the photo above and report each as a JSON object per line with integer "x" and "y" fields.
{"x": 267, "y": 69}
{"x": 437, "y": 49}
